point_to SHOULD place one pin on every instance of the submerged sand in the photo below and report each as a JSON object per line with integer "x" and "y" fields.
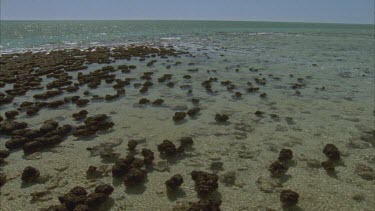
{"x": 324, "y": 107}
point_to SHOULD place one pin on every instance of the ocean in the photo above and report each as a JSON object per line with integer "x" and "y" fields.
{"x": 40, "y": 35}
{"x": 316, "y": 87}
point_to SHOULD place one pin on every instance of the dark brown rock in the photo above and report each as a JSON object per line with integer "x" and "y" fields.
{"x": 221, "y": 118}
{"x": 150, "y": 63}
{"x": 331, "y": 151}
{"x": 134, "y": 177}
{"x": 71, "y": 200}
{"x": 16, "y": 142}
{"x": 167, "y": 148}
{"x": 112, "y": 97}
{"x": 56, "y": 104}
{"x": 137, "y": 163}
{"x": 93, "y": 124}
{"x": 170, "y": 84}
{"x": 285, "y": 155}
{"x": 144, "y": 101}
{"x": 122, "y": 166}
{"x": 105, "y": 189}
{"x": 192, "y": 112}
{"x": 143, "y": 89}
{"x": 238, "y": 94}
{"x": 48, "y": 126}
{"x": 80, "y": 115}
{"x": 195, "y": 101}
{"x": 178, "y": 116}
{"x": 30, "y": 174}
{"x": 119, "y": 171}
{"x": 64, "y": 130}
{"x": 263, "y": 95}
{"x": 8, "y": 127}
{"x": 82, "y": 102}
{"x": 148, "y": 156}
{"x": 48, "y": 94}
{"x": 174, "y": 182}
{"x": 132, "y": 144}
{"x": 253, "y": 89}
{"x": 158, "y": 102}
{"x": 4, "y": 153}
{"x": 95, "y": 199}
{"x": 78, "y": 190}
{"x": 205, "y": 183}
{"x": 259, "y": 113}
{"x": 277, "y": 169}
{"x": 50, "y": 141}
{"x": 3, "y": 179}
{"x": 289, "y": 198}
{"x": 31, "y": 147}
{"x": 11, "y": 114}
{"x": 186, "y": 141}
{"x": 32, "y": 110}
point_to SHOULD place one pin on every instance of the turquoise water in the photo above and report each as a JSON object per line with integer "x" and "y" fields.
{"x": 18, "y": 35}
{"x": 338, "y": 57}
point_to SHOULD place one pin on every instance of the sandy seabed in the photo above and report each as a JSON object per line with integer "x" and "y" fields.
{"x": 299, "y": 106}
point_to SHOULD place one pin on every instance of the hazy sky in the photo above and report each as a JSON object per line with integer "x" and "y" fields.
{"x": 344, "y": 11}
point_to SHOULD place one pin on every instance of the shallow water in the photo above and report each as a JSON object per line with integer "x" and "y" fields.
{"x": 339, "y": 58}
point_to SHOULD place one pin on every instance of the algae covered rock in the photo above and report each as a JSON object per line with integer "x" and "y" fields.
{"x": 174, "y": 182}
{"x": 289, "y": 198}
{"x": 205, "y": 183}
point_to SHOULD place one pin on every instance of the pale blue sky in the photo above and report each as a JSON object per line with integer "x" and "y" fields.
{"x": 342, "y": 11}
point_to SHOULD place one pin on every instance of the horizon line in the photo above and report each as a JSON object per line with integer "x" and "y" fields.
{"x": 347, "y": 23}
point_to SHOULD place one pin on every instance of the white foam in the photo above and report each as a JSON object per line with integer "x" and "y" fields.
{"x": 170, "y": 38}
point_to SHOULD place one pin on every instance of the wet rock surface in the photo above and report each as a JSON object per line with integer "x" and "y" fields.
{"x": 3, "y": 179}
{"x": 93, "y": 124}
{"x": 148, "y": 156}
{"x": 79, "y": 199}
{"x": 285, "y": 155}
{"x": 205, "y": 183}
{"x": 30, "y": 174}
{"x": 174, "y": 182}
{"x": 178, "y": 116}
{"x": 289, "y": 198}
{"x": 132, "y": 144}
{"x": 168, "y": 149}
{"x": 277, "y": 169}
{"x": 331, "y": 151}
{"x": 134, "y": 177}
{"x": 221, "y": 118}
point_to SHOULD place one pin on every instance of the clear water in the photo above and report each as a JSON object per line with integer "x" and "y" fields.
{"x": 344, "y": 58}
{"x": 49, "y": 34}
